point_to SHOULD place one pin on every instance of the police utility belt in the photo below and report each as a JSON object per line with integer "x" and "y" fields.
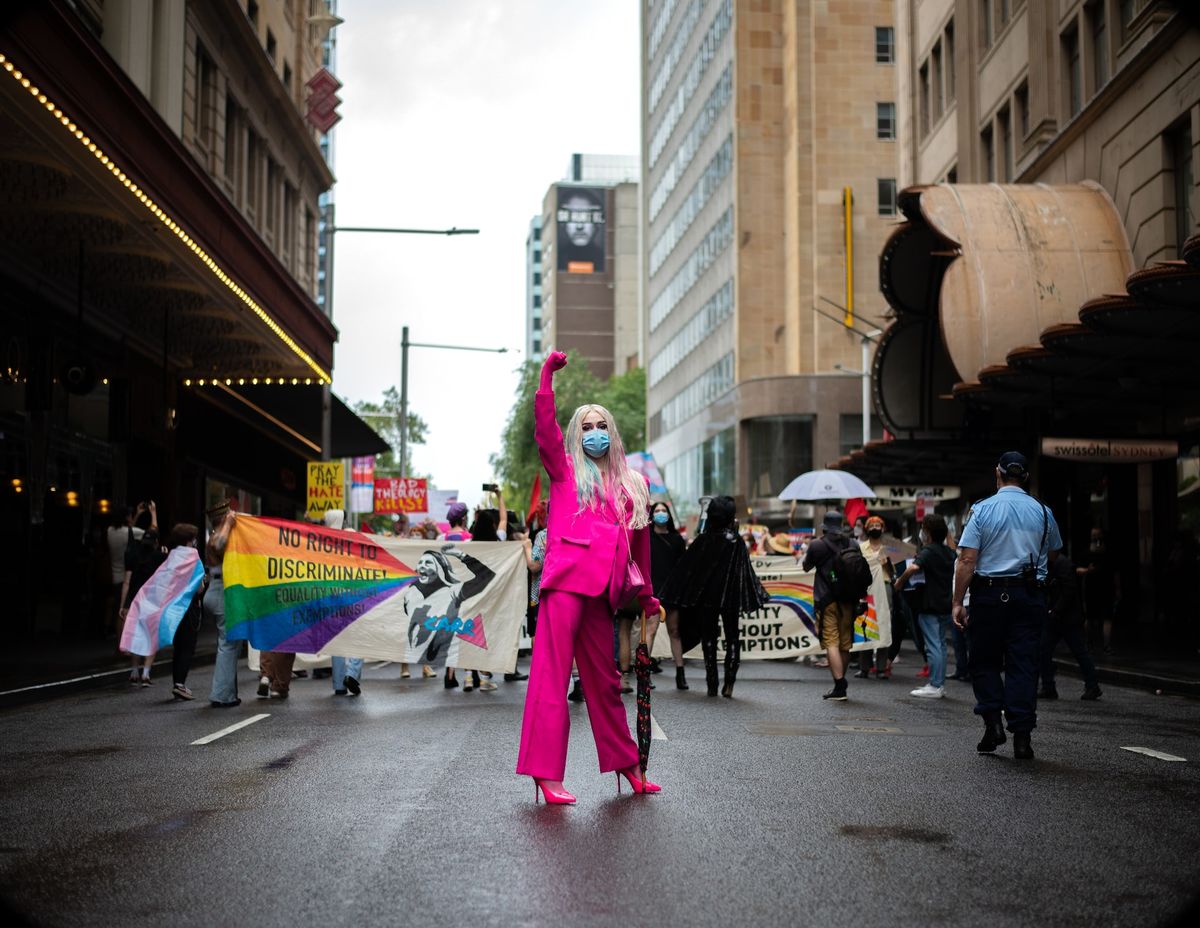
{"x": 978, "y": 581}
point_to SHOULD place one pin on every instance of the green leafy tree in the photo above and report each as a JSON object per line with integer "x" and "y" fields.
{"x": 384, "y": 418}
{"x": 623, "y": 394}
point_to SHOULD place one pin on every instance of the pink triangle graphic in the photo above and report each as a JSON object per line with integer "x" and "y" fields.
{"x": 477, "y": 636}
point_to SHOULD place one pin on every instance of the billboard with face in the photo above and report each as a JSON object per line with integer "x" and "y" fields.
{"x": 581, "y": 233}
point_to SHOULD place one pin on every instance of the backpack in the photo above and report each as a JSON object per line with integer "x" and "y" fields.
{"x": 849, "y": 575}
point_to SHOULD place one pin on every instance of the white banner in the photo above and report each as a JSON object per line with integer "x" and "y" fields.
{"x": 786, "y": 626}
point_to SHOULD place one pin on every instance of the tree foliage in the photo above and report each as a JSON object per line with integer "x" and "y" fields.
{"x": 623, "y": 394}
{"x": 384, "y": 418}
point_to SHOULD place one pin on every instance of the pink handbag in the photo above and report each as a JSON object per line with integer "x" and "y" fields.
{"x": 632, "y": 583}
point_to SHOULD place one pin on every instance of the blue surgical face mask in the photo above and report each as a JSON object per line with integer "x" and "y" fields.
{"x": 595, "y": 443}
{"x": 661, "y": 518}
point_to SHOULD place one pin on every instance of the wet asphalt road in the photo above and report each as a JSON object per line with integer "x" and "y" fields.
{"x": 400, "y": 807}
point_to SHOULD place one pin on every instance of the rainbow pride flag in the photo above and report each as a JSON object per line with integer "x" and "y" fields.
{"x": 159, "y": 606}
{"x": 795, "y": 596}
{"x": 866, "y": 626}
{"x": 293, "y": 587}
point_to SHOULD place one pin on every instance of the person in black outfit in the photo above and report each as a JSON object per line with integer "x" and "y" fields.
{"x": 183, "y": 646}
{"x": 714, "y": 580}
{"x": 666, "y": 549}
{"x": 1064, "y": 620}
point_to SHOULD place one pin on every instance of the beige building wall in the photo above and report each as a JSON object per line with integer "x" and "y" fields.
{"x": 627, "y": 334}
{"x": 1060, "y": 92}
{"x": 801, "y": 120}
{"x": 208, "y": 71}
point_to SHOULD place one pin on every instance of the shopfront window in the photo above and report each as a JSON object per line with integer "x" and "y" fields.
{"x": 780, "y": 448}
{"x": 708, "y": 469}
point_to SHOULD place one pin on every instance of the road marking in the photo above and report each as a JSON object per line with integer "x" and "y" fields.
{"x": 208, "y": 739}
{"x": 656, "y": 732}
{"x": 867, "y": 729}
{"x": 1159, "y": 755}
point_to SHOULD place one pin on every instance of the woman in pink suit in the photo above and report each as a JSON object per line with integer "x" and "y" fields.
{"x": 598, "y": 513}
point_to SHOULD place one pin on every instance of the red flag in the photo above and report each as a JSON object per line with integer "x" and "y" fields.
{"x": 535, "y": 497}
{"x": 854, "y": 509}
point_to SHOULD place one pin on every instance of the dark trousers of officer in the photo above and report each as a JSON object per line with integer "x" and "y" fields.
{"x": 1004, "y": 637}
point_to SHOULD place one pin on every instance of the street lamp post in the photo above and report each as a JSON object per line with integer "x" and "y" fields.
{"x": 405, "y": 344}
{"x": 865, "y": 375}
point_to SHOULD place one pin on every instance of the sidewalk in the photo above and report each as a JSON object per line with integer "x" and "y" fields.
{"x": 46, "y": 667}
{"x": 1177, "y": 673}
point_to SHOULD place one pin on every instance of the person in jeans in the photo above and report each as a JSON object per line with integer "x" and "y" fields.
{"x": 224, "y": 692}
{"x": 936, "y": 560}
{"x": 347, "y": 671}
{"x": 836, "y": 620}
{"x": 1064, "y": 620}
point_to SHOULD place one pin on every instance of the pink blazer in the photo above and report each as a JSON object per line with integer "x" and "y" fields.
{"x": 586, "y": 552}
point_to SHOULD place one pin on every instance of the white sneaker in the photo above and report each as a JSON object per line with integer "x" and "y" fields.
{"x": 929, "y": 692}
{"x": 486, "y": 686}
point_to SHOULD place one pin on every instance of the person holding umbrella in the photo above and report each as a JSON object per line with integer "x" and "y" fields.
{"x": 597, "y": 559}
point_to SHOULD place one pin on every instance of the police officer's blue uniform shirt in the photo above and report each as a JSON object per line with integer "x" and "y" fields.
{"x": 1006, "y": 529}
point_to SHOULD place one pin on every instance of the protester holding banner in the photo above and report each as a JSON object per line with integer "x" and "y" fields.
{"x": 875, "y": 552}
{"x": 347, "y": 671}
{"x": 183, "y": 647}
{"x": 456, "y": 515}
{"x": 224, "y": 692}
{"x": 597, "y": 556}
{"x": 713, "y": 585}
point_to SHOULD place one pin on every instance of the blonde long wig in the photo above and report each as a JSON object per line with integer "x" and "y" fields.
{"x": 611, "y": 476}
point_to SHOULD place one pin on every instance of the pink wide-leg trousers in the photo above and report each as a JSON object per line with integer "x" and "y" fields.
{"x": 579, "y": 628}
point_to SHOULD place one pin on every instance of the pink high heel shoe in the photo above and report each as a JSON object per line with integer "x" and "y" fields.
{"x": 638, "y": 784}
{"x": 553, "y": 797}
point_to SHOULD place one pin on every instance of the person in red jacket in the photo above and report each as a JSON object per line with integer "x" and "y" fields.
{"x": 598, "y": 526}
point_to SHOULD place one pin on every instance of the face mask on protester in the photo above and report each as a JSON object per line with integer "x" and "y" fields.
{"x": 858, "y": 532}
{"x": 875, "y": 533}
{"x": 595, "y": 443}
{"x": 661, "y": 518}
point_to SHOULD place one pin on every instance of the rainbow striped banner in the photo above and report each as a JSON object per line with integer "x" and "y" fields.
{"x": 159, "y": 606}
{"x": 296, "y": 587}
{"x": 787, "y": 626}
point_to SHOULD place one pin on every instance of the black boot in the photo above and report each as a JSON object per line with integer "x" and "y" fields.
{"x": 1022, "y": 749}
{"x": 680, "y": 680}
{"x": 733, "y": 660}
{"x": 993, "y": 735}
{"x": 710, "y": 666}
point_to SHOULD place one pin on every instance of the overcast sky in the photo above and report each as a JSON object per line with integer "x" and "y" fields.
{"x": 461, "y": 113}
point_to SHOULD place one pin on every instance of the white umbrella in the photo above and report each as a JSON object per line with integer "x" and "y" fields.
{"x": 827, "y": 484}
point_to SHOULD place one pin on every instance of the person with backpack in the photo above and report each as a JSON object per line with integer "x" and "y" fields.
{"x": 842, "y": 577}
{"x": 936, "y": 560}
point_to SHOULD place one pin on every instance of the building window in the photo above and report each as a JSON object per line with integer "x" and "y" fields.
{"x": 1129, "y": 11}
{"x": 886, "y": 192}
{"x": 923, "y": 98}
{"x": 271, "y": 217}
{"x": 939, "y": 99}
{"x": 885, "y": 120}
{"x": 1179, "y": 152}
{"x": 779, "y": 447}
{"x": 1005, "y": 12}
{"x": 537, "y": 301}
{"x": 271, "y": 45}
{"x": 952, "y": 175}
{"x": 252, "y": 13}
{"x": 1098, "y": 18}
{"x": 310, "y": 244}
{"x": 989, "y": 155}
{"x": 885, "y": 45}
{"x": 233, "y": 138}
{"x": 287, "y": 75}
{"x": 206, "y": 98}
{"x": 1074, "y": 73}
{"x": 949, "y": 41}
{"x": 1004, "y": 124}
{"x": 985, "y": 24}
{"x": 289, "y": 225}
{"x": 253, "y": 172}
{"x": 1021, "y": 101}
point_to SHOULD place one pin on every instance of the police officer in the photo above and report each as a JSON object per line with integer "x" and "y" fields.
{"x": 1003, "y": 556}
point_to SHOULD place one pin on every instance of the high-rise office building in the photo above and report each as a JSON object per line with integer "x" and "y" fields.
{"x": 587, "y": 265}
{"x": 769, "y": 185}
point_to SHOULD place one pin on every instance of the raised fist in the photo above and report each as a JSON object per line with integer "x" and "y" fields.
{"x": 557, "y": 360}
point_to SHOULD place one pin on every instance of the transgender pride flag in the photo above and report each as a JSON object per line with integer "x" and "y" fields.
{"x": 156, "y": 611}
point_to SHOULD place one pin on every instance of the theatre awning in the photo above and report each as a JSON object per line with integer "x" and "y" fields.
{"x": 1015, "y": 304}
{"x": 293, "y": 414}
